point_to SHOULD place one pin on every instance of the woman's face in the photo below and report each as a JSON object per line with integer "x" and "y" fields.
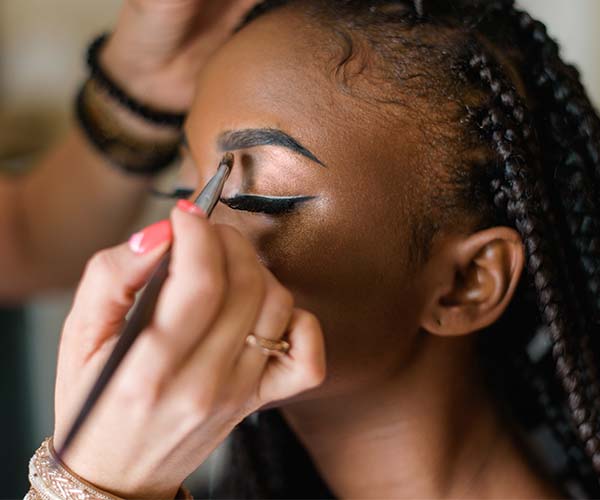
{"x": 270, "y": 96}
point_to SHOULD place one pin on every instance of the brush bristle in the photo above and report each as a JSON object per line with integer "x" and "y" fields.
{"x": 227, "y": 159}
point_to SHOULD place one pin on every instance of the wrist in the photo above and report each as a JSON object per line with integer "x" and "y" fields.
{"x": 148, "y": 82}
{"x": 124, "y": 119}
{"x": 51, "y": 478}
{"x": 133, "y": 136}
{"x": 125, "y": 139}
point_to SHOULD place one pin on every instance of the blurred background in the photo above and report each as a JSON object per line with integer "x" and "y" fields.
{"x": 41, "y": 65}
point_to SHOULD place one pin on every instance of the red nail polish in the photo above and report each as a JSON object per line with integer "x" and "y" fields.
{"x": 151, "y": 237}
{"x": 190, "y": 208}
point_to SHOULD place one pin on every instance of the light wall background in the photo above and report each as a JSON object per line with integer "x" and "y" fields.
{"x": 42, "y": 44}
{"x": 575, "y": 24}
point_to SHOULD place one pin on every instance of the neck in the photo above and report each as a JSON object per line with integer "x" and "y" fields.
{"x": 428, "y": 432}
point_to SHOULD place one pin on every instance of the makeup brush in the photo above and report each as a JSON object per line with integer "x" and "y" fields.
{"x": 143, "y": 310}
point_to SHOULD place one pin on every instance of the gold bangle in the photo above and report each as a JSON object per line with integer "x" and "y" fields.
{"x": 50, "y": 479}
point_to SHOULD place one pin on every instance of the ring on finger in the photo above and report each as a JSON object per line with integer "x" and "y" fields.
{"x": 269, "y": 347}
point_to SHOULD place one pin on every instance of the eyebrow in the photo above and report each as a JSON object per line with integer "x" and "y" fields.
{"x": 249, "y": 138}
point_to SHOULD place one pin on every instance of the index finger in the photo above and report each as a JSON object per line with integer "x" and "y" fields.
{"x": 189, "y": 301}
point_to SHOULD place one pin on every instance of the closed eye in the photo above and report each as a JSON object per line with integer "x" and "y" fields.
{"x": 272, "y": 205}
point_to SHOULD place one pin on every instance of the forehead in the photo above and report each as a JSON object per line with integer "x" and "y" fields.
{"x": 262, "y": 77}
{"x": 277, "y": 72}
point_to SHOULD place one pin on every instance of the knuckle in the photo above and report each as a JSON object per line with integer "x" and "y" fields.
{"x": 314, "y": 374}
{"x": 320, "y": 373}
{"x": 284, "y": 299}
{"x": 100, "y": 263}
{"x": 201, "y": 406}
{"x": 79, "y": 334}
{"x": 315, "y": 370}
{"x": 140, "y": 391}
{"x": 238, "y": 402}
{"x": 145, "y": 385}
{"x": 231, "y": 406}
{"x": 249, "y": 278}
{"x": 280, "y": 303}
{"x": 308, "y": 321}
{"x": 210, "y": 282}
{"x": 72, "y": 325}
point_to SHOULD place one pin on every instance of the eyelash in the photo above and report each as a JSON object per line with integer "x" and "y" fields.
{"x": 246, "y": 203}
{"x": 260, "y": 204}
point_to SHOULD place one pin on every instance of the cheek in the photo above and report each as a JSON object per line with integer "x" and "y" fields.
{"x": 349, "y": 269}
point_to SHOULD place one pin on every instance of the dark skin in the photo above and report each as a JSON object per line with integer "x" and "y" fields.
{"x": 399, "y": 340}
{"x": 394, "y": 405}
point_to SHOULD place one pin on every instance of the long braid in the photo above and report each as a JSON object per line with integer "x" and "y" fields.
{"x": 575, "y": 200}
{"x": 550, "y": 194}
{"x": 505, "y": 123}
{"x": 521, "y": 194}
{"x": 564, "y": 83}
{"x": 578, "y": 172}
{"x": 576, "y": 129}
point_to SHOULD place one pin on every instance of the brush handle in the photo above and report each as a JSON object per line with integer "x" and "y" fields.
{"x": 140, "y": 318}
{"x": 143, "y": 310}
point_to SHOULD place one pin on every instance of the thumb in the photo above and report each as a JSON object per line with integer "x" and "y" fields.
{"x": 107, "y": 290}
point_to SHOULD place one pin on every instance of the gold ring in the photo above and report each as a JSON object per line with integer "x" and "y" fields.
{"x": 268, "y": 346}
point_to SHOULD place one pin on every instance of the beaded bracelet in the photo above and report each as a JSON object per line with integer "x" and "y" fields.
{"x": 154, "y": 116}
{"x": 131, "y": 154}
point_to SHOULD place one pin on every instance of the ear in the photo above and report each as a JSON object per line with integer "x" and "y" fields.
{"x": 470, "y": 281}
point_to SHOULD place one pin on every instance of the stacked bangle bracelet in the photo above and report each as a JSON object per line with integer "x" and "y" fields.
{"x": 50, "y": 479}
{"x": 95, "y": 111}
{"x": 103, "y": 80}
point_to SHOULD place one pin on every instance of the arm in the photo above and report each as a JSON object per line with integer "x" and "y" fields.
{"x": 52, "y": 220}
{"x": 130, "y": 447}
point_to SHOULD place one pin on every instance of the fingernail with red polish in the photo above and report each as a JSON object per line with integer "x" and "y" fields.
{"x": 190, "y": 208}
{"x": 151, "y": 237}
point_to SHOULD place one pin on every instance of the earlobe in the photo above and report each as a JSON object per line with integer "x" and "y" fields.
{"x": 475, "y": 280}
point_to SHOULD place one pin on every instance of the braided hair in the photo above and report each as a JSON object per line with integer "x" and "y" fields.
{"x": 529, "y": 157}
